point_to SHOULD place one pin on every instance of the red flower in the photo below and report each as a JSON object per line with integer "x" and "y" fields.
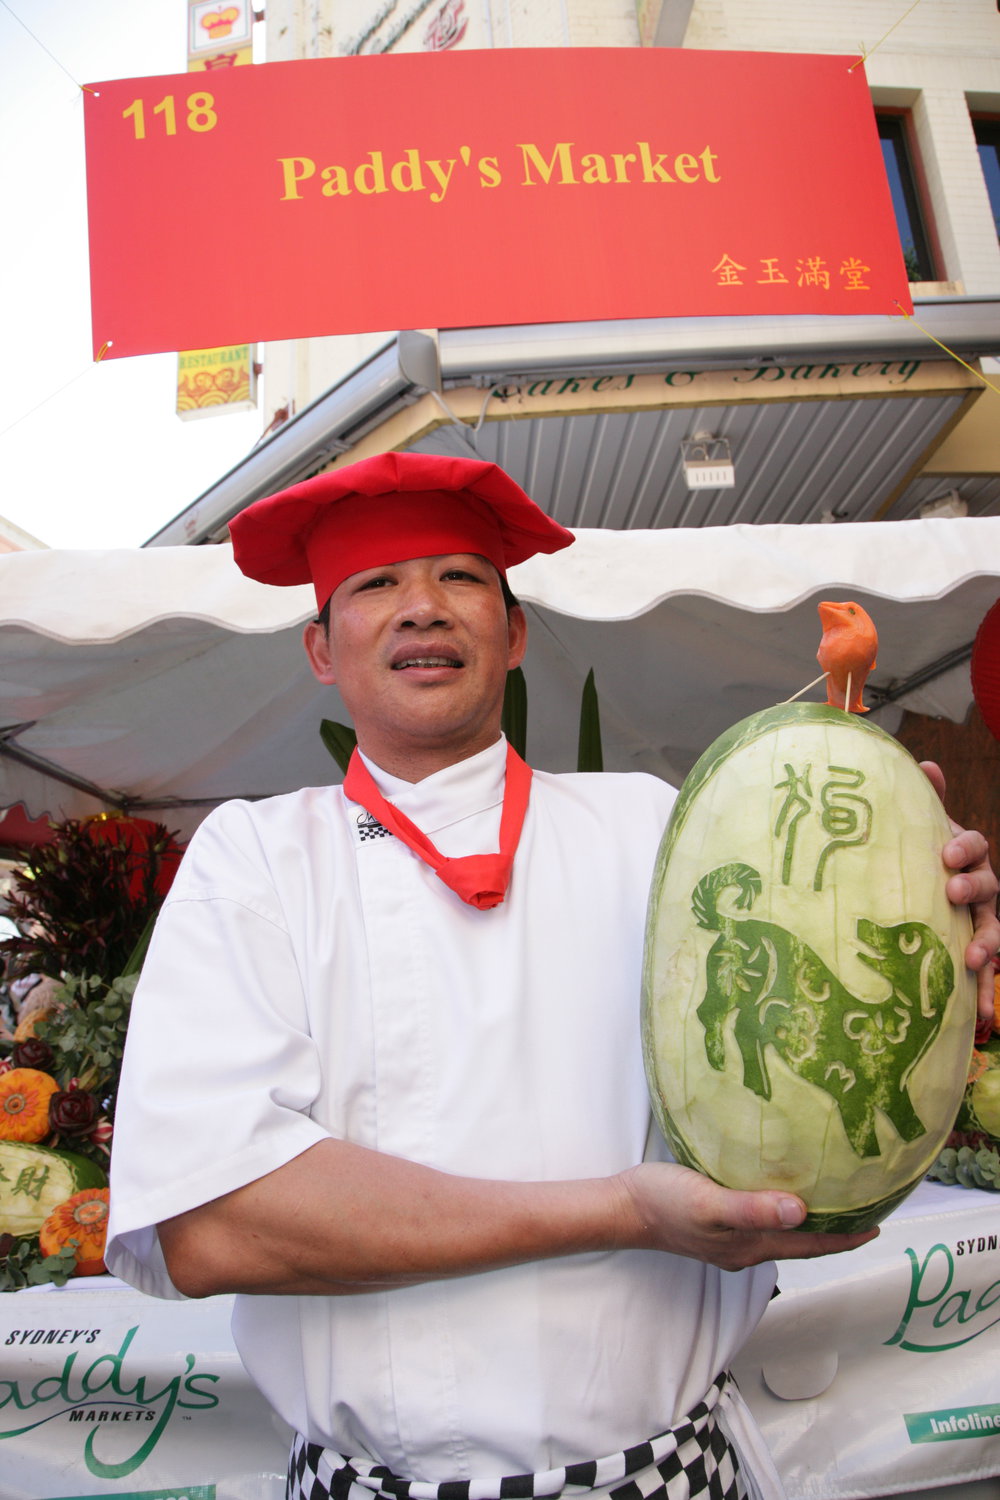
{"x": 33, "y": 1053}
{"x": 101, "y": 1135}
{"x": 74, "y": 1112}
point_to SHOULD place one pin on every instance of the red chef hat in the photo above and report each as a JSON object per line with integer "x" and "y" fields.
{"x": 388, "y": 509}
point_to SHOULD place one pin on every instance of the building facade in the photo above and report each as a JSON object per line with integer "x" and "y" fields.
{"x": 825, "y": 420}
{"x": 934, "y": 75}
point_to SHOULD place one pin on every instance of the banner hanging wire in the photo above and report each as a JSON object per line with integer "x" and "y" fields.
{"x": 45, "y": 49}
{"x": 46, "y": 399}
{"x": 866, "y": 54}
{"x": 927, "y": 333}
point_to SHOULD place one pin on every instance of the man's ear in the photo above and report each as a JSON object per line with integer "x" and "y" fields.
{"x": 317, "y": 644}
{"x": 517, "y": 636}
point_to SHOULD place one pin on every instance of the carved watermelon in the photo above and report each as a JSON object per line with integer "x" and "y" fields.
{"x": 807, "y": 1015}
{"x": 34, "y": 1180}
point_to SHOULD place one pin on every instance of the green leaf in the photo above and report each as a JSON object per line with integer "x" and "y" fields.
{"x": 590, "y": 755}
{"x": 135, "y": 959}
{"x": 514, "y": 719}
{"x": 57, "y": 1268}
{"x": 968, "y": 1168}
{"x": 23, "y": 1265}
{"x": 82, "y": 900}
{"x": 339, "y": 740}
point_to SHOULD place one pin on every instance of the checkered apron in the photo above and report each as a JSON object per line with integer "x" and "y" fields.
{"x": 692, "y": 1461}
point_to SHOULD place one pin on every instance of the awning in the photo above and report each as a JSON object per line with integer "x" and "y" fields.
{"x": 162, "y": 680}
{"x": 827, "y": 418}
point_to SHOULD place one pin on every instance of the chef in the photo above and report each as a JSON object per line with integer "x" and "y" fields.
{"x": 383, "y": 1077}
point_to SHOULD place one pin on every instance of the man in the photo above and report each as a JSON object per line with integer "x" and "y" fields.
{"x": 389, "y": 1035}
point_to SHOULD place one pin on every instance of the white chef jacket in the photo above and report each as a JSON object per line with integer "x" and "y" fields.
{"x": 309, "y": 977}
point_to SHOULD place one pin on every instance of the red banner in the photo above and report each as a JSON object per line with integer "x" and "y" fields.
{"x": 363, "y": 194}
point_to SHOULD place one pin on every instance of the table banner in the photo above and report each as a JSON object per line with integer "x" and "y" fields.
{"x": 105, "y": 1392}
{"x": 877, "y": 1371}
{"x": 361, "y": 194}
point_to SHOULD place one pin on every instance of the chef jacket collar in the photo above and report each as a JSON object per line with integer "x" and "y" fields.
{"x": 458, "y": 791}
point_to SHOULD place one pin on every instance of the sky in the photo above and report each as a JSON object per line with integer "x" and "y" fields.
{"x": 91, "y": 455}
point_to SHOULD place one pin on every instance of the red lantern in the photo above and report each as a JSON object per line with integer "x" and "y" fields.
{"x": 137, "y": 834}
{"x": 985, "y": 670}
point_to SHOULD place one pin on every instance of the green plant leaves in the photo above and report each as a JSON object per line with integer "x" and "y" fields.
{"x": 590, "y": 755}
{"x": 514, "y": 718}
{"x": 339, "y": 740}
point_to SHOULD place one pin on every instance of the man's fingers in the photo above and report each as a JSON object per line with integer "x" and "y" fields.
{"x": 976, "y": 887}
{"x": 969, "y": 852}
{"x": 755, "y": 1227}
{"x": 758, "y": 1212}
{"x": 807, "y": 1246}
{"x": 934, "y": 775}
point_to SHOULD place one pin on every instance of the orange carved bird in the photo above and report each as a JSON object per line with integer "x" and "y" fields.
{"x": 846, "y": 653}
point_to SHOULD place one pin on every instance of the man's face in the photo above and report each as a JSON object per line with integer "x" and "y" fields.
{"x": 420, "y": 651}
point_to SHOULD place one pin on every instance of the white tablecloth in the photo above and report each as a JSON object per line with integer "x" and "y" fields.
{"x": 878, "y": 1372}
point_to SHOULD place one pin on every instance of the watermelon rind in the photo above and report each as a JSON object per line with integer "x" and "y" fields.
{"x": 34, "y": 1180}
{"x": 750, "y": 886}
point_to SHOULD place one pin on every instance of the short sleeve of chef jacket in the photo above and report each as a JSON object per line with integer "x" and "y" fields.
{"x": 220, "y": 1069}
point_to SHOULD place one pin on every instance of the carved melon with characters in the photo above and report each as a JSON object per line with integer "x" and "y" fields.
{"x": 807, "y": 1014}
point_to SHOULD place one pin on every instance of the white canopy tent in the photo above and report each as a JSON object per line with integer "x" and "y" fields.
{"x": 162, "y": 680}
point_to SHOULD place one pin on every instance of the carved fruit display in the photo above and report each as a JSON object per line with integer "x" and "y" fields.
{"x": 807, "y": 1015}
{"x": 34, "y": 1180}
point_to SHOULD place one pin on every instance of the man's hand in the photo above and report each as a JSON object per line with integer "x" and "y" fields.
{"x": 974, "y": 885}
{"x": 681, "y": 1211}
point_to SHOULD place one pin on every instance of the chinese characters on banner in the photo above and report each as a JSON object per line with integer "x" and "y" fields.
{"x": 812, "y": 270}
{"x": 359, "y": 194}
{"x": 217, "y": 380}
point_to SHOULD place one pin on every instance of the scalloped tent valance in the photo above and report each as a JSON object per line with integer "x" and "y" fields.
{"x": 162, "y": 679}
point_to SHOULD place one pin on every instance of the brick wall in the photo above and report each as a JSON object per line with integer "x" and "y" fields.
{"x": 936, "y": 28}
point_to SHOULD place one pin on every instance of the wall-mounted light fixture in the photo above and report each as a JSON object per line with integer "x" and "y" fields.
{"x": 947, "y": 505}
{"x": 707, "y": 462}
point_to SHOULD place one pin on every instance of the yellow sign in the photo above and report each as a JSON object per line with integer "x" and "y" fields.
{"x": 208, "y": 379}
{"x": 233, "y": 57}
{"x": 217, "y": 24}
{"x": 216, "y": 380}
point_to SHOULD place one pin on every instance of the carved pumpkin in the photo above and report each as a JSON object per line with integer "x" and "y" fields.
{"x": 83, "y": 1218}
{"x": 24, "y": 1104}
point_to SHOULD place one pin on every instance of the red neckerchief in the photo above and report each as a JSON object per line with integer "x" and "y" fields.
{"x": 481, "y": 880}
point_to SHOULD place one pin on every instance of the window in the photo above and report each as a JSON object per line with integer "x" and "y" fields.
{"x": 988, "y": 141}
{"x": 905, "y": 198}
